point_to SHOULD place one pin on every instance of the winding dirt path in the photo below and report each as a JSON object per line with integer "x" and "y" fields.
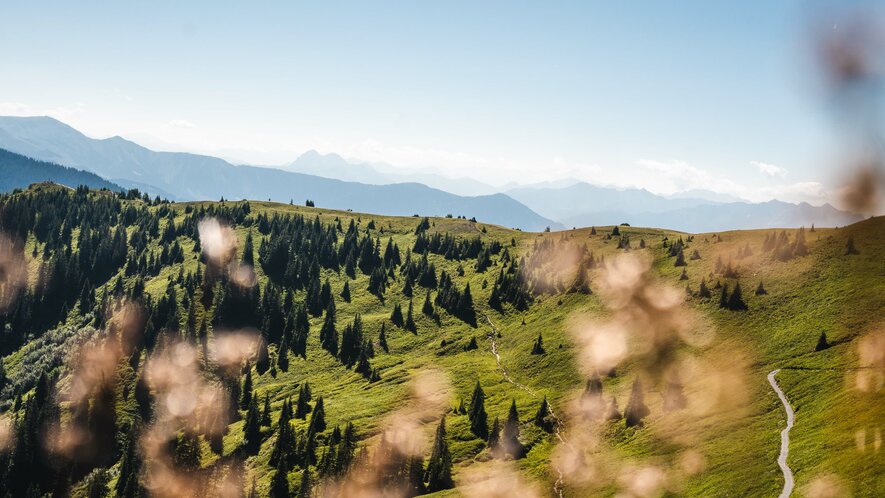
{"x": 558, "y": 425}
{"x": 785, "y": 437}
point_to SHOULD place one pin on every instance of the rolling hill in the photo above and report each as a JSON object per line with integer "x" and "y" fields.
{"x": 631, "y": 331}
{"x": 183, "y": 176}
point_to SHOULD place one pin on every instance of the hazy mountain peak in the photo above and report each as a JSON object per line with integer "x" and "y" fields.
{"x": 186, "y": 176}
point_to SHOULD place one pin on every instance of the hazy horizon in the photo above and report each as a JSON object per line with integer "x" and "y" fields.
{"x": 649, "y": 97}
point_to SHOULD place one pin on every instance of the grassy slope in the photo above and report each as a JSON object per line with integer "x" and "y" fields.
{"x": 823, "y": 291}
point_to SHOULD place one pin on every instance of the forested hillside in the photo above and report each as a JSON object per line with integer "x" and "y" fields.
{"x": 17, "y": 171}
{"x": 260, "y": 349}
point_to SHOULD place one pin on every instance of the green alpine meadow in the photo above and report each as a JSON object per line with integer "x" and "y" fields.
{"x": 246, "y": 348}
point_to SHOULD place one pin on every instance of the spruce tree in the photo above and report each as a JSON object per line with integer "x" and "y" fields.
{"x": 3, "y": 378}
{"x": 680, "y": 258}
{"x": 439, "y": 466}
{"x": 345, "y": 292}
{"x": 265, "y": 413}
{"x": 477, "y": 413}
{"x": 416, "y": 476}
{"x": 363, "y": 366}
{"x": 318, "y": 417}
{"x": 252, "y": 428}
{"x": 427, "y": 309}
{"x": 736, "y": 301}
{"x": 279, "y": 484}
{"x": 591, "y": 400}
{"x": 760, "y": 289}
{"x": 465, "y": 307}
{"x": 723, "y": 297}
{"x": 249, "y": 250}
{"x": 495, "y": 299}
{"x": 510, "y": 433}
{"x": 262, "y": 361}
{"x": 822, "y": 342}
{"x": 495, "y": 436}
{"x": 382, "y": 339}
{"x": 97, "y": 483}
{"x": 246, "y": 390}
{"x": 302, "y": 407}
{"x": 850, "y": 249}
{"x": 328, "y": 333}
{"x": 130, "y": 465}
{"x": 538, "y": 346}
{"x": 396, "y": 316}
{"x": 304, "y": 488}
{"x": 471, "y": 345}
{"x": 407, "y": 287}
{"x": 580, "y": 284}
{"x": 283, "y": 354}
{"x": 351, "y": 342}
{"x": 636, "y": 409}
{"x": 326, "y": 293}
{"x": 410, "y": 319}
{"x": 286, "y": 441}
{"x": 542, "y": 417}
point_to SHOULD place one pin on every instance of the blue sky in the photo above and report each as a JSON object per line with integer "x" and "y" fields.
{"x": 667, "y": 96}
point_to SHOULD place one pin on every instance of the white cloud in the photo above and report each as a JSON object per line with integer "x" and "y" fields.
{"x": 20, "y": 109}
{"x": 672, "y": 176}
{"x": 182, "y": 123}
{"x": 15, "y": 109}
{"x": 811, "y": 192}
{"x": 769, "y": 169}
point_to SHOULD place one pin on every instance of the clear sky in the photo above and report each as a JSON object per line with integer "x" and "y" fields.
{"x": 663, "y": 95}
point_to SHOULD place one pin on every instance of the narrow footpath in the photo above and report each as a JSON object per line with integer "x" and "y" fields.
{"x": 785, "y": 437}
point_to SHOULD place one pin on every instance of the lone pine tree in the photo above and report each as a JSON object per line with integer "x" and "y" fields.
{"x": 822, "y": 342}
{"x": 538, "y": 346}
{"x": 760, "y": 289}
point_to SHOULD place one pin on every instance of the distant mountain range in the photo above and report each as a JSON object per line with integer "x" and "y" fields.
{"x": 582, "y": 204}
{"x": 572, "y": 202}
{"x": 337, "y": 167}
{"x": 184, "y": 176}
{"x": 335, "y": 182}
{"x": 17, "y": 171}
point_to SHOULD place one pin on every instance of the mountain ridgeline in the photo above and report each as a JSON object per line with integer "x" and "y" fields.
{"x": 335, "y": 183}
{"x": 582, "y": 204}
{"x": 183, "y": 176}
